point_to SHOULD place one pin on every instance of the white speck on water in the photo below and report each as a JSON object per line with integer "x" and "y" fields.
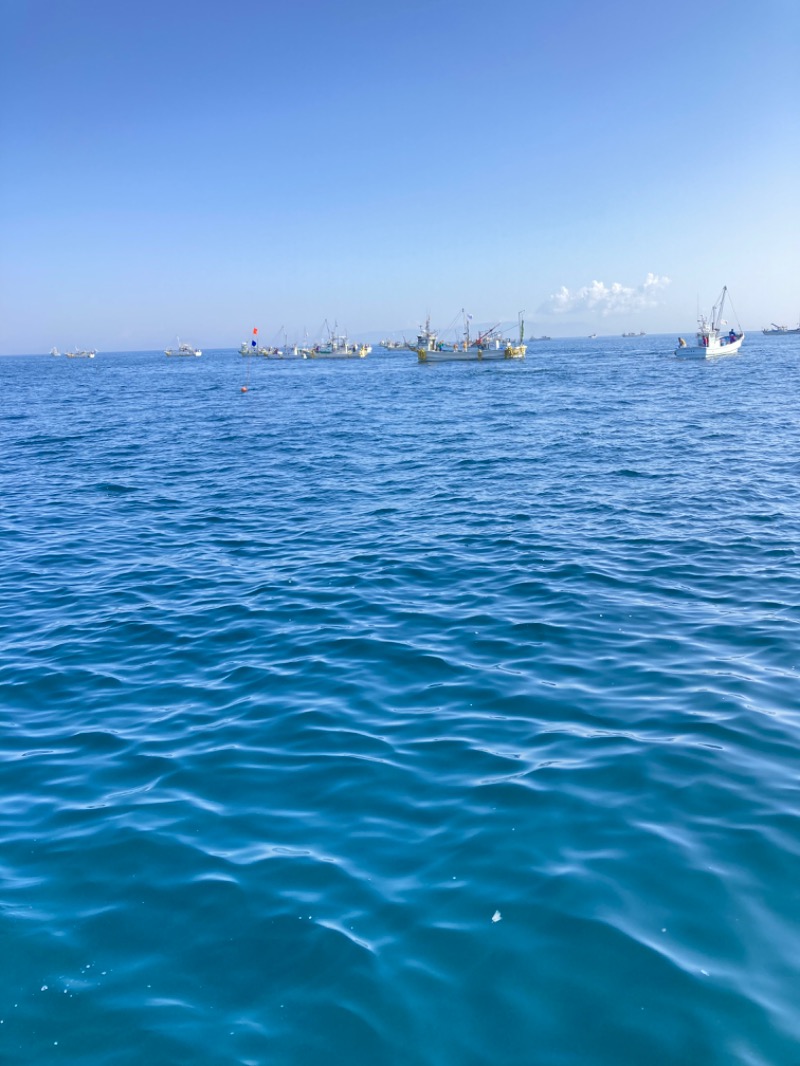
{"x": 663, "y": 930}
{"x": 704, "y": 973}
{"x": 44, "y": 988}
{"x": 497, "y": 916}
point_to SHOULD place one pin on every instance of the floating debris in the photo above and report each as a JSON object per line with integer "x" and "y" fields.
{"x": 497, "y": 916}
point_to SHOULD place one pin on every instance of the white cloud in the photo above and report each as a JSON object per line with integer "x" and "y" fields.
{"x": 605, "y": 299}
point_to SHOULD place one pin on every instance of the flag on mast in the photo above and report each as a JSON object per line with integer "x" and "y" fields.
{"x": 255, "y": 334}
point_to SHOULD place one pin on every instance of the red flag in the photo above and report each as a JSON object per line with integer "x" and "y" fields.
{"x": 255, "y": 331}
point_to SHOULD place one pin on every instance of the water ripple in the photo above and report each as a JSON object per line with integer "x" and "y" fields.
{"x": 394, "y": 714}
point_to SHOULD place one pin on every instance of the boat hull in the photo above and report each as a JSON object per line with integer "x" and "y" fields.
{"x": 713, "y": 351}
{"x": 472, "y": 355}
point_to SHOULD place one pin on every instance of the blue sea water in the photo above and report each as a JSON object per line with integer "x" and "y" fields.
{"x": 400, "y": 715}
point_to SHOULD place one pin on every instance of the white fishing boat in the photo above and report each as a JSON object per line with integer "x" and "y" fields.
{"x": 337, "y": 346}
{"x": 427, "y": 338}
{"x": 711, "y": 339}
{"x": 183, "y": 350}
{"x": 55, "y": 351}
{"x": 337, "y": 350}
{"x": 488, "y": 347}
{"x": 79, "y": 353}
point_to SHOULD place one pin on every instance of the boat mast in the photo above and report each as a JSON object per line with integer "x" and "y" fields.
{"x": 521, "y": 326}
{"x": 716, "y": 315}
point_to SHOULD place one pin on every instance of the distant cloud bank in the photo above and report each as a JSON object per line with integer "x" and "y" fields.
{"x": 610, "y": 299}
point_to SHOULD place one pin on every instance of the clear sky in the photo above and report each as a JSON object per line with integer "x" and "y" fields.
{"x": 195, "y": 168}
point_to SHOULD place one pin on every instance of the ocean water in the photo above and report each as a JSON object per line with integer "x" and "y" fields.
{"x": 400, "y": 715}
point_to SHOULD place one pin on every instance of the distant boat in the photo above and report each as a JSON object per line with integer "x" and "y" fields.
{"x": 183, "y": 350}
{"x": 780, "y": 331}
{"x": 250, "y": 349}
{"x": 711, "y": 341}
{"x": 269, "y": 351}
{"x": 337, "y": 346}
{"x": 592, "y": 336}
{"x": 55, "y": 351}
{"x": 79, "y": 353}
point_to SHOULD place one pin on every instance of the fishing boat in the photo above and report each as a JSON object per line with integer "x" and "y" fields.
{"x": 711, "y": 340}
{"x": 337, "y": 350}
{"x": 183, "y": 350}
{"x": 270, "y": 351}
{"x": 55, "y": 351}
{"x": 427, "y": 338}
{"x": 250, "y": 348}
{"x": 79, "y": 353}
{"x": 337, "y": 346}
{"x": 487, "y": 347}
{"x": 781, "y": 331}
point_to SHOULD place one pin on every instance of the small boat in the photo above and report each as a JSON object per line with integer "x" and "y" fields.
{"x": 79, "y": 353}
{"x": 183, "y": 350}
{"x": 55, "y": 351}
{"x": 592, "y": 336}
{"x": 711, "y": 340}
{"x": 781, "y": 331}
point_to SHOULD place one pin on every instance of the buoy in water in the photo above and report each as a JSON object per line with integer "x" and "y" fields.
{"x": 244, "y": 388}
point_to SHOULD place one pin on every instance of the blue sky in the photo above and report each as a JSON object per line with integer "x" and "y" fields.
{"x": 195, "y": 168}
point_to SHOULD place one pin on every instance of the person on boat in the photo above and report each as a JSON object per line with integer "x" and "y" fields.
{"x": 681, "y": 342}
{"x": 731, "y": 336}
